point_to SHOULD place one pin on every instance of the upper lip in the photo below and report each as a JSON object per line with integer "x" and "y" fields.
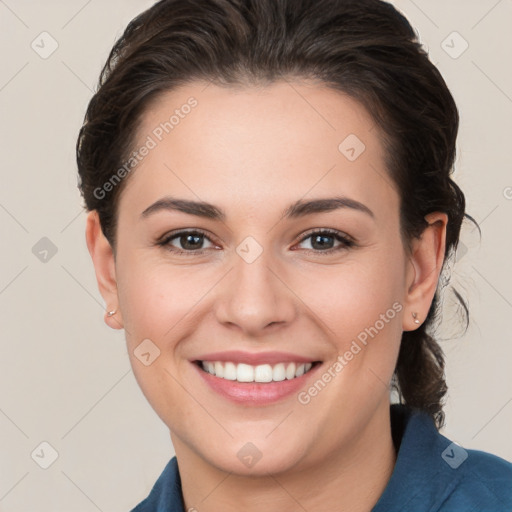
{"x": 255, "y": 358}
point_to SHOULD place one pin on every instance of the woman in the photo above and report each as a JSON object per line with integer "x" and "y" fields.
{"x": 271, "y": 209}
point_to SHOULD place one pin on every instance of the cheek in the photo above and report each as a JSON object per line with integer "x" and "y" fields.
{"x": 156, "y": 297}
{"x": 156, "y": 302}
{"x": 352, "y": 296}
{"x": 361, "y": 306}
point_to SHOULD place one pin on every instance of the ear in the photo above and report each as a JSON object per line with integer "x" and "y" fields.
{"x": 425, "y": 263}
{"x": 104, "y": 265}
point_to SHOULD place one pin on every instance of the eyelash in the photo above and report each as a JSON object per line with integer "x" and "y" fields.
{"x": 346, "y": 241}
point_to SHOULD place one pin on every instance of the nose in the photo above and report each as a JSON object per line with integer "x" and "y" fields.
{"x": 254, "y": 297}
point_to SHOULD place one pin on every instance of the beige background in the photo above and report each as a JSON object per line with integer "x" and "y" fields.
{"x": 65, "y": 377}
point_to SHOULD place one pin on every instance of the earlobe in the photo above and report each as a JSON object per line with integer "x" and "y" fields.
{"x": 427, "y": 257}
{"x": 104, "y": 266}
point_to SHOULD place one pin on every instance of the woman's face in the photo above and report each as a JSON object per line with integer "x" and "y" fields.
{"x": 261, "y": 284}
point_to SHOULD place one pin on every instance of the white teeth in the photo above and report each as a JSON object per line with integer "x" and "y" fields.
{"x": 229, "y": 371}
{"x": 261, "y": 373}
{"x": 219, "y": 369}
{"x": 244, "y": 373}
{"x": 290, "y": 371}
{"x": 278, "y": 372}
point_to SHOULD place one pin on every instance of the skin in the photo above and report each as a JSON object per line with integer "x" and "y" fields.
{"x": 252, "y": 152}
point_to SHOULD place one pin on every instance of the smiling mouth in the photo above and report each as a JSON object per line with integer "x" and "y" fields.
{"x": 242, "y": 372}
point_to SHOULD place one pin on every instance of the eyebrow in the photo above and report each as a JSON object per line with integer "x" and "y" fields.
{"x": 298, "y": 209}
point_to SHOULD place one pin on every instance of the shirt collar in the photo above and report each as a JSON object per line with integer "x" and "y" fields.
{"x": 420, "y": 449}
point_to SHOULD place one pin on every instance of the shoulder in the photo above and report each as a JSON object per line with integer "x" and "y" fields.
{"x": 434, "y": 474}
{"x": 482, "y": 479}
{"x": 166, "y": 493}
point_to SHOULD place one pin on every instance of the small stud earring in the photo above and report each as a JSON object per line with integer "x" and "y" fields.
{"x": 415, "y": 316}
{"x": 112, "y": 313}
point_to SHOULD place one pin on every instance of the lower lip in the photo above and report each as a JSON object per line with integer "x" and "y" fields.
{"x": 255, "y": 393}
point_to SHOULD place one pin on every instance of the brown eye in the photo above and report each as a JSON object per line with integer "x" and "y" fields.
{"x": 322, "y": 241}
{"x": 190, "y": 242}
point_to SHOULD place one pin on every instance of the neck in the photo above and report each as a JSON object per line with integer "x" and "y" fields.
{"x": 352, "y": 478}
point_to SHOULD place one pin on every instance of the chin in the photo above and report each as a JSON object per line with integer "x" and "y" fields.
{"x": 258, "y": 458}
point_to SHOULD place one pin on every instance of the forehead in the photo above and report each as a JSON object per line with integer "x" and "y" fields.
{"x": 247, "y": 144}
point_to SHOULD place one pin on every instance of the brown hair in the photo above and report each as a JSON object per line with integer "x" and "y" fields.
{"x": 364, "y": 48}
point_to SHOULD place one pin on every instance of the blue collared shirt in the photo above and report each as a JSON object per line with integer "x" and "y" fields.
{"x": 431, "y": 474}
